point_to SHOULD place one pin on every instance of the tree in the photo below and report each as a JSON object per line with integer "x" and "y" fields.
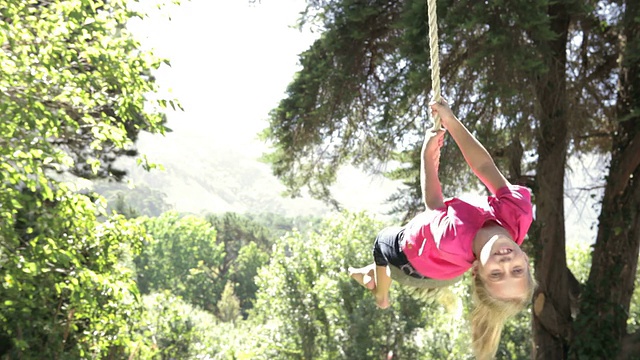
{"x": 77, "y": 83}
{"x": 279, "y": 225}
{"x": 247, "y": 245}
{"x": 229, "y": 305}
{"x": 310, "y": 308}
{"x": 605, "y": 304}
{"x": 243, "y": 273}
{"x": 132, "y": 202}
{"x": 73, "y": 97}
{"x": 65, "y": 291}
{"x": 529, "y": 78}
{"x": 183, "y": 257}
{"x": 314, "y": 308}
{"x": 236, "y": 231}
{"x": 198, "y": 258}
{"x": 170, "y": 328}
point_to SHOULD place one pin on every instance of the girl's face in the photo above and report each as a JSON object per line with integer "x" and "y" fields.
{"x": 504, "y": 268}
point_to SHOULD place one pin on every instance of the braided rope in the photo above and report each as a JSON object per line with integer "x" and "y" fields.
{"x": 435, "y": 62}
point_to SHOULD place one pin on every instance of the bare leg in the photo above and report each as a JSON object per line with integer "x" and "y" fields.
{"x": 383, "y": 283}
{"x": 364, "y": 276}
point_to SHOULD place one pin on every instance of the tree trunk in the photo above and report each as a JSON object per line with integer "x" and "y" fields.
{"x": 552, "y": 315}
{"x": 600, "y": 328}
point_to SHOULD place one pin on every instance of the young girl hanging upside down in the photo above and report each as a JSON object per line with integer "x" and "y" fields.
{"x": 453, "y": 236}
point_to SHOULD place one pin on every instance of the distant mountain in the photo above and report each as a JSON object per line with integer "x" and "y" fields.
{"x": 214, "y": 174}
{"x": 202, "y": 176}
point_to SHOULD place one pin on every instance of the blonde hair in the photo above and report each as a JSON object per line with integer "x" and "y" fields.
{"x": 490, "y": 314}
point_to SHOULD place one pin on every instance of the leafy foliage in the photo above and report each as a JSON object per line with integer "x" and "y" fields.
{"x": 74, "y": 85}
{"x": 307, "y": 306}
{"x": 314, "y": 310}
{"x": 74, "y": 96}
{"x": 140, "y": 200}
{"x": 247, "y": 244}
{"x": 64, "y": 287}
{"x": 279, "y": 225}
{"x": 229, "y": 304}
{"x": 361, "y": 94}
{"x": 169, "y": 328}
{"x": 197, "y": 258}
{"x": 534, "y": 81}
{"x": 242, "y": 275}
{"x": 183, "y": 257}
{"x": 313, "y": 305}
{"x": 72, "y": 100}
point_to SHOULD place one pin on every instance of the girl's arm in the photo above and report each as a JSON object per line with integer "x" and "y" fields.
{"x": 429, "y": 180}
{"x": 474, "y": 153}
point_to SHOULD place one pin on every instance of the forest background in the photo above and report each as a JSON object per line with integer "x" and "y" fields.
{"x": 177, "y": 277}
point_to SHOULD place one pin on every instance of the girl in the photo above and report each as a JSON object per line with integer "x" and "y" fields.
{"x": 453, "y": 236}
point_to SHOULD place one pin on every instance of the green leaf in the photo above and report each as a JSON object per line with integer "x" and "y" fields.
{"x": 16, "y": 204}
{"x": 30, "y": 267}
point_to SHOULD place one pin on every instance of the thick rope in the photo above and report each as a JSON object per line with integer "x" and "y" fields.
{"x": 435, "y": 62}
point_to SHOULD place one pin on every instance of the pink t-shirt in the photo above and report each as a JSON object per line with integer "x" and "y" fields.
{"x": 438, "y": 243}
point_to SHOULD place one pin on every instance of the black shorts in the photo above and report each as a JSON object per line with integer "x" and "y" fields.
{"x": 387, "y": 251}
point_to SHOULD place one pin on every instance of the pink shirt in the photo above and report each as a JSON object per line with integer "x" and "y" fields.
{"x": 438, "y": 243}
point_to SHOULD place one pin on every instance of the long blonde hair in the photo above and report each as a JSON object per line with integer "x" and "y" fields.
{"x": 490, "y": 314}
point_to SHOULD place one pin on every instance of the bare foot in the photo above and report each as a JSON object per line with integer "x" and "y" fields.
{"x": 382, "y": 302}
{"x": 364, "y": 276}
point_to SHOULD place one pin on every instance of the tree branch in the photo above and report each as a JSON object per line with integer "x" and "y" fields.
{"x": 590, "y": 188}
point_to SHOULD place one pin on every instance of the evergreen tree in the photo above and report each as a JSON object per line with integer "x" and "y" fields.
{"x": 182, "y": 256}
{"x": 605, "y": 304}
{"x": 530, "y": 79}
{"x": 229, "y": 305}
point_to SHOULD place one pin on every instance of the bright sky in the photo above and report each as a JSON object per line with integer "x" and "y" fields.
{"x": 230, "y": 59}
{"x": 231, "y": 62}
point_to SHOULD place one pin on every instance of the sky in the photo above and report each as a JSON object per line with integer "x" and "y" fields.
{"x": 230, "y": 64}
{"x": 229, "y": 58}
